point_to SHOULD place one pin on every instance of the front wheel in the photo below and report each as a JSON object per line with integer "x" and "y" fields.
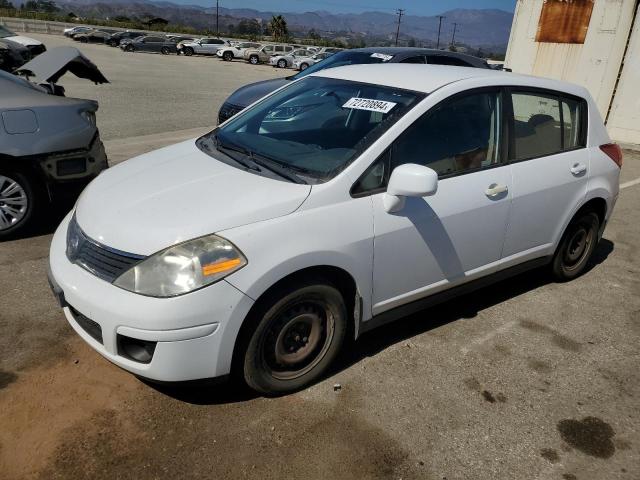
{"x": 298, "y": 335}
{"x": 188, "y": 51}
{"x": 129, "y": 48}
{"x": 18, "y": 202}
{"x": 165, "y": 50}
{"x": 227, "y": 56}
{"x": 282, "y": 63}
{"x": 303, "y": 66}
{"x": 576, "y": 246}
{"x": 254, "y": 60}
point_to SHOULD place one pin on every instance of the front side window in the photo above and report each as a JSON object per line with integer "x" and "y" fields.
{"x": 545, "y": 124}
{"x": 460, "y": 135}
{"x": 315, "y": 127}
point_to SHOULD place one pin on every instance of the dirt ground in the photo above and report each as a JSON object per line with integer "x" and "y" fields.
{"x": 526, "y": 379}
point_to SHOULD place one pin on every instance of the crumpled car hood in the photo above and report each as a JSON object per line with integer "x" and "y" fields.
{"x": 49, "y": 66}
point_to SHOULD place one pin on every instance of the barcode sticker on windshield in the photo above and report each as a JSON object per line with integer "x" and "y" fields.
{"x": 369, "y": 104}
{"x": 385, "y": 58}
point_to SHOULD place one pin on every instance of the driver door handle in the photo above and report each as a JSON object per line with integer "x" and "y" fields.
{"x": 494, "y": 190}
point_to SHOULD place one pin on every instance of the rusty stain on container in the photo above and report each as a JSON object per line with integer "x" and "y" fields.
{"x": 564, "y": 21}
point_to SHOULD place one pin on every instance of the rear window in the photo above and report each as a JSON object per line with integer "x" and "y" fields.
{"x": 545, "y": 124}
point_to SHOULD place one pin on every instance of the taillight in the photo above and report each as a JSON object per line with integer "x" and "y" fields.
{"x": 614, "y": 152}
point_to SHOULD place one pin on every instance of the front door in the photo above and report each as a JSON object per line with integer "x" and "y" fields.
{"x": 458, "y": 233}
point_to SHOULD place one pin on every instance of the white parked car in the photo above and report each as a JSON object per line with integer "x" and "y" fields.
{"x": 202, "y": 46}
{"x": 286, "y": 61}
{"x": 259, "y": 247}
{"x": 35, "y": 46}
{"x": 302, "y": 63}
{"x": 230, "y": 52}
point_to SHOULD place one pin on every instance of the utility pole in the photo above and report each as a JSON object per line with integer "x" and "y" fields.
{"x": 440, "y": 17}
{"x": 218, "y": 18}
{"x": 399, "y": 12}
{"x": 453, "y": 37}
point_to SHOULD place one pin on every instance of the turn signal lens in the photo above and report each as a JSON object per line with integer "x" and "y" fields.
{"x": 614, "y": 152}
{"x": 220, "y": 267}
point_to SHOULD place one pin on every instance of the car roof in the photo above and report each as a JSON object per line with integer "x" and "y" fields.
{"x": 428, "y": 78}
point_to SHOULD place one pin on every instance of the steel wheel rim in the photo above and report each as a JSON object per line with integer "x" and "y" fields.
{"x": 288, "y": 357}
{"x": 13, "y": 202}
{"x": 578, "y": 246}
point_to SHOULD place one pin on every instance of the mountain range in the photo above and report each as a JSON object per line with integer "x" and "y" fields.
{"x": 475, "y": 27}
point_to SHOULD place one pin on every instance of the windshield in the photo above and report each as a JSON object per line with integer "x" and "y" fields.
{"x": 4, "y": 32}
{"x": 314, "y": 127}
{"x": 344, "y": 58}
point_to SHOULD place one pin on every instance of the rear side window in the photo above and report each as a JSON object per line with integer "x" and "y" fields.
{"x": 416, "y": 59}
{"x": 545, "y": 124}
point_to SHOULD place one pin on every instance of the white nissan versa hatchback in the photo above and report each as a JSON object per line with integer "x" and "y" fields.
{"x": 335, "y": 204}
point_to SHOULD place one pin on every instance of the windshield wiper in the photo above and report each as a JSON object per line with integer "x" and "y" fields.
{"x": 281, "y": 169}
{"x": 252, "y": 165}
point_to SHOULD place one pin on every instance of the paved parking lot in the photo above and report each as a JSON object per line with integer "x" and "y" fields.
{"x": 526, "y": 379}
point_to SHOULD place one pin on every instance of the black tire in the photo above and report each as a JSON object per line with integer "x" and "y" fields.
{"x": 282, "y": 63}
{"x": 113, "y": 43}
{"x": 293, "y": 337}
{"x": 227, "y": 56}
{"x": 129, "y": 48}
{"x": 83, "y": 40}
{"x": 303, "y": 67}
{"x": 188, "y": 51}
{"x": 254, "y": 60}
{"x": 165, "y": 50}
{"x": 30, "y": 212}
{"x": 576, "y": 246}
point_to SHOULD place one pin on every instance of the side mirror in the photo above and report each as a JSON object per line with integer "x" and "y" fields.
{"x": 409, "y": 180}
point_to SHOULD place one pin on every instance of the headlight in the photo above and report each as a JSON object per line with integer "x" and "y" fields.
{"x": 183, "y": 268}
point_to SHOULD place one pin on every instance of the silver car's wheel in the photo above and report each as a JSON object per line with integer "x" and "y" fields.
{"x": 14, "y": 202}
{"x": 282, "y": 63}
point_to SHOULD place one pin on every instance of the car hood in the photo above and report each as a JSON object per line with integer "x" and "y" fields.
{"x": 53, "y": 64}
{"x": 248, "y": 94}
{"x": 24, "y": 40}
{"x": 175, "y": 194}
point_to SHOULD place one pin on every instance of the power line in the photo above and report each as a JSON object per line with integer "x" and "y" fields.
{"x": 439, "y": 17}
{"x": 400, "y": 13}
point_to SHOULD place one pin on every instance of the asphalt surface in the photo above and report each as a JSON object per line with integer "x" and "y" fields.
{"x": 527, "y": 379}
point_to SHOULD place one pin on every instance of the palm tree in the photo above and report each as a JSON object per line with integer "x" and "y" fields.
{"x": 278, "y": 27}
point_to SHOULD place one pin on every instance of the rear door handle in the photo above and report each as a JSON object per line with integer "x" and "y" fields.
{"x": 578, "y": 168}
{"x": 494, "y": 190}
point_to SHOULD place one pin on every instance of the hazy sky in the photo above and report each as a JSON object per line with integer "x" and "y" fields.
{"x": 413, "y": 7}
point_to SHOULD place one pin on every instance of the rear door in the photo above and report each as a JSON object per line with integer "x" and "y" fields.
{"x": 152, "y": 44}
{"x": 549, "y": 162}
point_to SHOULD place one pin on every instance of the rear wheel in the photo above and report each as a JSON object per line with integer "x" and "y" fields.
{"x": 83, "y": 40}
{"x": 282, "y": 63}
{"x": 296, "y": 336}
{"x": 576, "y": 246}
{"x": 18, "y": 203}
{"x": 165, "y": 50}
{"x": 227, "y": 56}
{"x": 254, "y": 60}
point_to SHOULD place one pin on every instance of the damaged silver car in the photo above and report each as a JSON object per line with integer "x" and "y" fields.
{"x": 50, "y": 147}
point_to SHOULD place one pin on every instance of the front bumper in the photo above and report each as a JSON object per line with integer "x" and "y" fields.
{"x": 193, "y": 335}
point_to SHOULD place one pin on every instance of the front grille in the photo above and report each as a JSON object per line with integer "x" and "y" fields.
{"x": 92, "y": 328}
{"x": 104, "y": 262}
{"x": 227, "y": 111}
